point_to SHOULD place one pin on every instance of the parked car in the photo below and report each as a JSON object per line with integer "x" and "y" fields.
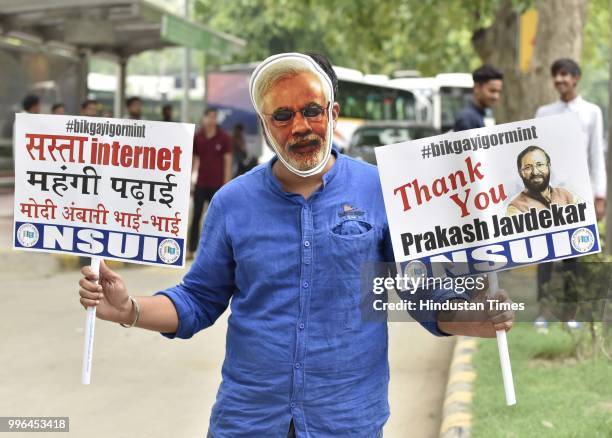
{"x": 372, "y": 134}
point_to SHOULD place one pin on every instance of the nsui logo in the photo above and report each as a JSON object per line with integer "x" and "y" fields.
{"x": 27, "y": 235}
{"x": 415, "y": 271}
{"x": 416, "y": 268}
{"x": 583, "y": 240}
{"x": 169, "y": 251}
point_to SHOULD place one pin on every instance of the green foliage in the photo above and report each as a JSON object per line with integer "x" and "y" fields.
{"x": 581, "y": 292}
{"x": 432, "y": 36}
{"x": 596, "y": 51}
{"x": 556, "y": 398}
{"x": 376, "y": 37}
{"x": 596, "y": 56}
{"x": 382, "y": 36}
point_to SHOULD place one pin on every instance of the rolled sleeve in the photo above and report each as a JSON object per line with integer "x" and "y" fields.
{"x": 206, "y": 289}
{"x": 185, "y": 314}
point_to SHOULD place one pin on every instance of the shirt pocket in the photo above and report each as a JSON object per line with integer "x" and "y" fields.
{"x": 352, "y": 243}
{"x": 352, "y": 228}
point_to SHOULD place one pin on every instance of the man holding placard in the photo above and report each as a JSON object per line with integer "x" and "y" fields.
{"x": 285, "y": 243}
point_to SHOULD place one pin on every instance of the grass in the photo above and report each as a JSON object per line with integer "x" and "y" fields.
{"x": 557, "y": 396}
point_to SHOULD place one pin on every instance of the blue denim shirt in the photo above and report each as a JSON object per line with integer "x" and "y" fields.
{"x": 296, "y": 345}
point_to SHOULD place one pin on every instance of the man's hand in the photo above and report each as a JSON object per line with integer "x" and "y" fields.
{"x": 600, "y": 208}
{"x": 497, "y": 315}
{"x": 500, "y": 315}
{"x": 110, "y": 296}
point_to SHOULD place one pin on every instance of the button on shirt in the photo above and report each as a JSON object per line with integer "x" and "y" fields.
{"x": 591, "y": 122}
{"x": 290, "y": 269}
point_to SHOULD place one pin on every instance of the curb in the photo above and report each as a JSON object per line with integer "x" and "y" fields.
{"x": 456, "y": 411}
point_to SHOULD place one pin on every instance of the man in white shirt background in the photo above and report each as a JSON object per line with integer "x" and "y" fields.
{"x": 566, "y": 75}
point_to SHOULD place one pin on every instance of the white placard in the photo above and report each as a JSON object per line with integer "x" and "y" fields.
{"x": 460, "y": 198}
{"x": 97, "y": 187}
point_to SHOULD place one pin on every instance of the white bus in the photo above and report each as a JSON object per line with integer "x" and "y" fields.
{"x": 361, "y": 97}
{"x": 440, "y": 98}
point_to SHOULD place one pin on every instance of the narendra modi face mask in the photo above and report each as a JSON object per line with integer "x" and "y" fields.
{"x": 293, "y": 98}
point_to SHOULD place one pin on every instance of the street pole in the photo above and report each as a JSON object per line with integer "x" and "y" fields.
{"x": 83, "y": 70}
{"x": 608, "y": 248}
{"x": 186, "y": 74}
{"x": 119, "y": 104}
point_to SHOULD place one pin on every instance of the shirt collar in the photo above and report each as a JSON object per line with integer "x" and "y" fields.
{"x": 572, "y": 103}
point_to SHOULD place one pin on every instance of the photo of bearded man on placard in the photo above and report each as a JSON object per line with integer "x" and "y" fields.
{"x": 534, "y": 168}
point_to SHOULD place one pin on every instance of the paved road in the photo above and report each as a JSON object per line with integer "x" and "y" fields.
{"x": 144, "y": 385}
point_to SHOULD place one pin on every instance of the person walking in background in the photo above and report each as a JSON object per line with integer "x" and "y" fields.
{"x": 167, "y": 113}
{"x": 89, "y": 108}
{"x": 31, "y": 104}
{"x": 212, "y": 156}
{"x": 58, "y": 109}
{"x": 134, "y": 107}
{"x": 566, "y": 74}
{"x": 488, "y": 83}
{"x": 243, "y": 162}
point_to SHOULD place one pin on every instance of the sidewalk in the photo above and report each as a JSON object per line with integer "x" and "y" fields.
{"x": 419, "y": 365}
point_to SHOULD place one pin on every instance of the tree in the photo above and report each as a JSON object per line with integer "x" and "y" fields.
{"x": 432, "y": 36}
{"x": 560, "y": 31}
{"x": 372, "y": 36}
{"x": 381, "y": 36}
